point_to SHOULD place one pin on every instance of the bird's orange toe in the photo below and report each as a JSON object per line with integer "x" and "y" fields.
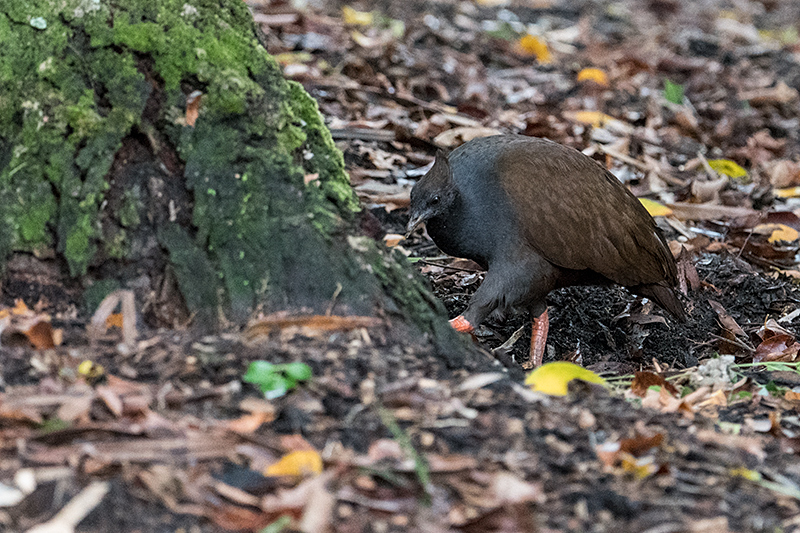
{"x": 460, "y": 323}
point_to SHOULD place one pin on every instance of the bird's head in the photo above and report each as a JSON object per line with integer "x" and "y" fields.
{"x": 433, "y": 195}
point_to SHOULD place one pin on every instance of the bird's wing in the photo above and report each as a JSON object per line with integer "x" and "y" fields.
{"x": 579, "y": 216}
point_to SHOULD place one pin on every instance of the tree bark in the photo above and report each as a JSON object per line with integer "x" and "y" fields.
{"x": 107, "y": 175}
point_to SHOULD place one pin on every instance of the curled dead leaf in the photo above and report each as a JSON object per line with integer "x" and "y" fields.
{"x": 193, "y": 102}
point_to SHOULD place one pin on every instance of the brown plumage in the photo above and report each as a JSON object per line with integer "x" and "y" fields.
{"x": 539, "y": 216}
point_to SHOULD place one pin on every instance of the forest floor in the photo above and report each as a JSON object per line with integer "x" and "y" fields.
{"x": 693, "y": 105}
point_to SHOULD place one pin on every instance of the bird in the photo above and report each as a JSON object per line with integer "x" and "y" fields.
{"x": 538, "y": 216}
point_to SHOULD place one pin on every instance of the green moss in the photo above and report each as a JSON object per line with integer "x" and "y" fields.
{"x": 99, "y": 74}
{"x": 65, "y": 133}
{"x": 65, "y": 138}
{"x": 115, "y": 245}
{"x": 195, "y": 273}
{"x": 324, "y": 158}
{"x": 128, "y": 212}
{"x": 412, "y": 299}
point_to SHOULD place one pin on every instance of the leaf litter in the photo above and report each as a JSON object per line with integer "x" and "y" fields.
{"x": 677, "y": 99}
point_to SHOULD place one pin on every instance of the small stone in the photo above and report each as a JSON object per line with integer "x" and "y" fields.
{"x": 586, "y": 419}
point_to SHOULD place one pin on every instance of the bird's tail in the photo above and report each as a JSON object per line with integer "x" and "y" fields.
{"x": 663, "y": 296}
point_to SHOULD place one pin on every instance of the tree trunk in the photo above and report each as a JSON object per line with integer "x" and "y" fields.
{"x": 108, "y": 179}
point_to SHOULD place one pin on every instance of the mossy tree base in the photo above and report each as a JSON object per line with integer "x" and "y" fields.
{"x": 247, "y": 209}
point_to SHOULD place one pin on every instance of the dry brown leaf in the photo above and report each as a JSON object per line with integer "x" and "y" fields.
{"x": 507, "y": 488}
{"x": 392, "y": 239}
{"x": 110, "y": 398}
{"x": 458, "y": 136}
{"x": 596, "y": 119}
{"x": 41, "y": 335}
{"x": 642, "y": 381}
{"x": 249, "y": 422}
{"x": 290, "y": 501}
{"x": 385, "y": 449}
{"x": 752, "y": 445}
{"x": 717, "y": 398}
{"x": 295, "y": 442}
{"x": 309, "y": 325}
{"x": 235, "y": 518}
{"x": 318, "y": 512}
{"x": 193, "y": 102}
{"x": 784, "y": 173}
{"x": 76, "y": 408}
{"x": 687, "y": 211}
{"x": 792, "y": 396}
{"x": 777, "y": 348}
{"x": 780, "y": 94}
{"x": 641, "y": 444}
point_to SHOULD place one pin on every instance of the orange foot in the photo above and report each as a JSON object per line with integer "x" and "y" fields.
{"x": 460, "y": 323}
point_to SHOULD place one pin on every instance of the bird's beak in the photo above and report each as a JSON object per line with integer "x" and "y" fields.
{"x": 415, "y": 221}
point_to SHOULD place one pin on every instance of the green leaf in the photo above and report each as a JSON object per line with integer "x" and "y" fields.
{"x": 743, "y": 395}
{"x": 278, "y": 525}
{"x": 276, "y": 380}
{"x": 673, "y": 92}
{"x": 274, "y": 387}
{"x": 258, "y": 371}
{"x": 781, "y": 367}
{"x": 774, "y": 389}
{"x": 298, "y": 371}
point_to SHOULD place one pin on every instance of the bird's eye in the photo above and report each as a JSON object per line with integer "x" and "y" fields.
{"x": 435, "y": 200}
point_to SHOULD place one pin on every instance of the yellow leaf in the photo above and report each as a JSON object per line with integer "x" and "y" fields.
{"x": 789, "y": 192}
{"x": 553, "y": 378}
{"x": 357, "y": 18}
{"x": 293, "y": 58}
{"x": 777, "y": 232}
{"x": 746, "y": 473}
{"x": 784, "y": 233}
{"x": 593, "y": 74}
{"x": 90, "y": 369}
{"x": 655, "y": 209}
{"x": 727, "y": 167}
{"x": 362, "y": 40}
{"x": 533, "y": 46}
{"x": 299, "y": 463}
{"x": 641, "y": 468}
{"x": 596, "y": 119}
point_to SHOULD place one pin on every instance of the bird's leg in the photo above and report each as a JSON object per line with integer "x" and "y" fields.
{"x": 484, "y": 301}
{"x": 539, "y": 327}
